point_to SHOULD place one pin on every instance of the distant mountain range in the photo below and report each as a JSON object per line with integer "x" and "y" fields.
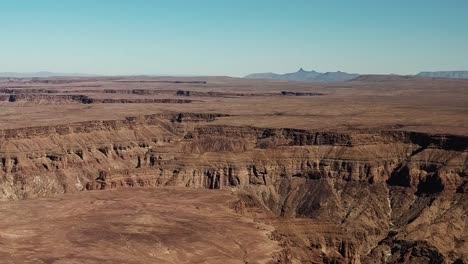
{"x": 313, "y": 76}
{"x": 445, "y": 74}
{"x": 300, "y": 76}
{"x": 42, "y": 74}
{"x": 306, "y": 76}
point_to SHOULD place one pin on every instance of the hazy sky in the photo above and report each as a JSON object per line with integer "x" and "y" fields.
{"x": 232, "y": 37}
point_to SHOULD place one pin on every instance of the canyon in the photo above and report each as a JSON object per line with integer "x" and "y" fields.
{"x": 218, "y": 169}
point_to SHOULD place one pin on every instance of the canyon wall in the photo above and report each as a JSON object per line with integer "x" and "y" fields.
{"x": 392, "y": 196}
{"x": 83, "y": 99}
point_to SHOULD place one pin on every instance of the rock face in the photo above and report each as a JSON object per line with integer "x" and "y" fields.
{"x": 349, "y": 196}
{"x": 82, "y": 99}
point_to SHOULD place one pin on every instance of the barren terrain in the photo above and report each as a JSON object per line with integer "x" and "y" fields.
{"x": 226, "y": 170}
{"x": 167, "y": 225}
{"x": 429, "y": 105}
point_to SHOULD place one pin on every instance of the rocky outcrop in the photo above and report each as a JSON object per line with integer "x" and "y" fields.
{"x": 225, "y": 94}
{"x": 83, "y": 99}
{"x": 47, "y": 98}
{"x": 219, "y": 94}
{"x": 287, "y": 93}
{"x": 25, "y": 90}
{"x": 141, "y": 101}
{"x": 30, "y": 94}
{"x": 162, "y": 81}
{"x": 349, "y": 196}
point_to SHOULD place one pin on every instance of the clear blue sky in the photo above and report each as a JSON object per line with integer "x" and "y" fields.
{"x": 232, "y": 37}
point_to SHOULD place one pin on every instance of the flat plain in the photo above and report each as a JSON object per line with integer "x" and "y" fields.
{"x": 376, "y": 102}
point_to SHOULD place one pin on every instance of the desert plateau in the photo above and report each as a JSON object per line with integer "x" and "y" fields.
{"x": 229, "y": 170}
{"x": 233, "y": 132}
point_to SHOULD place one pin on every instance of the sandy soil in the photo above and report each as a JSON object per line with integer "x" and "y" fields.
{"x": 164, "y": 225}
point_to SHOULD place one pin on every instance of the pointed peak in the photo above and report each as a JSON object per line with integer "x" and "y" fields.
{"x": 301, "y": 70}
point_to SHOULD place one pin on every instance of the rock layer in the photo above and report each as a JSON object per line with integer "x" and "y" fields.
{"x": 83, "y": 99}
{"x": 349, "y": 196}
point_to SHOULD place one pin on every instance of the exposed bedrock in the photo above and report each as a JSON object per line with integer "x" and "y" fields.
{"x": 83, "y": 99}
{"x": 357, "y": 196}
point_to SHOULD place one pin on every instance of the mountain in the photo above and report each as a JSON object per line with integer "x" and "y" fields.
{"x": 300, "y": 75}
{"x": 336, "y": 76}
{"x": 266, "y": 75}
{"x": 445, "y": 74}
{"x": 42, "y": 74}
{"x": 306, "y": 76}
{"x": 385, "y": 78}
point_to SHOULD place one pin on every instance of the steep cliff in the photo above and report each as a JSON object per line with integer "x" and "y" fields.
{"x": 348, "y": 196}
{"x": 83, "y": 99}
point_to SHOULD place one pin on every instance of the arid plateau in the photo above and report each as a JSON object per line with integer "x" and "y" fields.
{"x": 229, "y": 170}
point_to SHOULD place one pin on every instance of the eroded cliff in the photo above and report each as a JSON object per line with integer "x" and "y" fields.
{"x": 355, "y": 196}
